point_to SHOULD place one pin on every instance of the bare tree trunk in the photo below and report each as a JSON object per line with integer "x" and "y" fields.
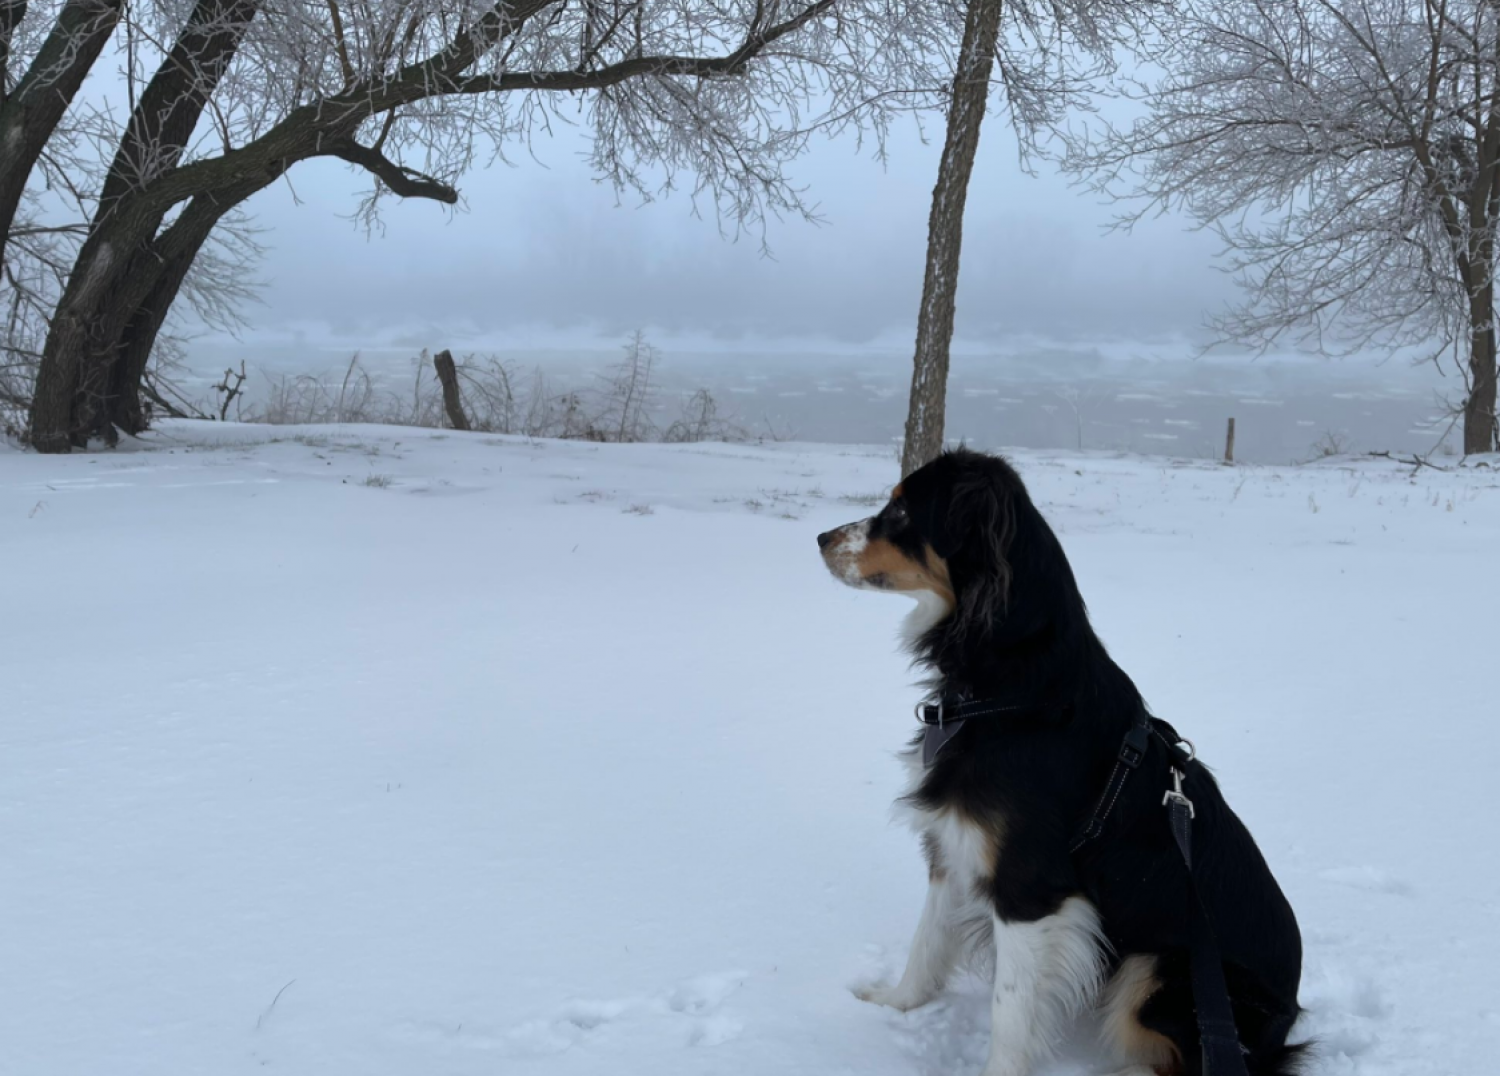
{"x": 123, "y": 407}
{"x": 94, "y": 309}
{"x": 30, "y": 114}
{"x": 1480, "y": 433}
{"x": 631, "y": 377}
{"x": 110, "y": 315}
{"x": 929, "y": 380}
{"x": 80, "y": 381}
{"x": 453, "y": 401}
{"x": 169, "y": 108}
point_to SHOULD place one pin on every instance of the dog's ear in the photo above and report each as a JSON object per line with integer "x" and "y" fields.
{"x": 977, "y": 537}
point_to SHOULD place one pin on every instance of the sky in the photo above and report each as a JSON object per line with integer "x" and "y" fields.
{"x": 539, "y": 254}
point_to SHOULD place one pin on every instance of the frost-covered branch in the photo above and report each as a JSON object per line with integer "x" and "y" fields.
{"x": 1347, "y": 152}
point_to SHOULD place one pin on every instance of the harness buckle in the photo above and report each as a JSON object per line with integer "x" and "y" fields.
{"x": 1175, "y": 795}
{"x": 929, "y": 714}
{"x": 1133, "y": 747}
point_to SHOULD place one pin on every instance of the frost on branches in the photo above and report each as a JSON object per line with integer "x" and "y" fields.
{"x": 1348, "y": 153}
{"x": 227, "y": 95}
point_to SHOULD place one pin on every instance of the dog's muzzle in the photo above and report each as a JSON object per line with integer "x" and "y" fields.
{"x": 841, "y": 548}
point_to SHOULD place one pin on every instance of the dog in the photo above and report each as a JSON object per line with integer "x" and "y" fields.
{"x": 1104, "y": 928}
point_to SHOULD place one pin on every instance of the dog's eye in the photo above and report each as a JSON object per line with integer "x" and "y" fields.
{"x": 896, "y": 513}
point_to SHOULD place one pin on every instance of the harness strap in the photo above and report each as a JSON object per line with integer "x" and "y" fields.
{"x": 1132, "y": 750}
{"x": 943, "y": 713}
{"x": 945, "y": 719}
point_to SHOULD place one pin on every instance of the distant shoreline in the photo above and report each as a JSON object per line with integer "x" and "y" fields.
{"x": 1286, "y": 411}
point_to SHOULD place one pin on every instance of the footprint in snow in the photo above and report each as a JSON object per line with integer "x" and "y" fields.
{"x": 1370, "y": 879}
{"x": 688, "y": 1014}
{"x": 952, "y": 1034}
{"x": 1344, "y": 1015}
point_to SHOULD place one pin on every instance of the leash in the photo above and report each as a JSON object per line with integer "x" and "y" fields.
{"x": 1217, "y": 1035}
{"x": 1219, "y": 1038}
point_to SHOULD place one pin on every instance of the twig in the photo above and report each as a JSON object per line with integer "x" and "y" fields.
{"x": 230, "y": 391}
{"x": 1416, "y": 462}
{"x": 262, "y": 1018}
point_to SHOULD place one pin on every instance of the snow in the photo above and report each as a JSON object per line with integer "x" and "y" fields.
{"x": 365, "y": 750}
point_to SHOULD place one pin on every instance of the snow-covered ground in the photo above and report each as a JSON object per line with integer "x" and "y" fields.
{"x": 365, "y": 751}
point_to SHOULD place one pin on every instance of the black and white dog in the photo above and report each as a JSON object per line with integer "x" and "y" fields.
{"x": 1104, "y": 927}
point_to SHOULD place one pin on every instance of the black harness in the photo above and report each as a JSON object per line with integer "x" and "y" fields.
{"x": 1222, "y": 1053}
{"x": 944, "y": 719}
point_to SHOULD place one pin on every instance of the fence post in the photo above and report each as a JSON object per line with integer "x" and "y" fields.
{"x": 1228, "y": 442}
{"x": 452, "y": 402}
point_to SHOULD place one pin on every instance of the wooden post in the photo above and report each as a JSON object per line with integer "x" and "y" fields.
{"x": 1228, "y": 443}
{"x": 452, "y": 402}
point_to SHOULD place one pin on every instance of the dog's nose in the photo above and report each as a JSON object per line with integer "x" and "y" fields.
{"x": 824, "y": 539}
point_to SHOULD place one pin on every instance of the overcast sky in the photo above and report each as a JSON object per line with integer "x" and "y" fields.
{"x": 541, "y": 255}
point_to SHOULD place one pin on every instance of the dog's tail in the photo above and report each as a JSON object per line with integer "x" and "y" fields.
{"x": 1288, "y": 1059}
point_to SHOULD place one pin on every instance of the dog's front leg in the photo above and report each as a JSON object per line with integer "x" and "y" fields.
{"x": 1046, "y": 971}
{"x": 934, "y": 951}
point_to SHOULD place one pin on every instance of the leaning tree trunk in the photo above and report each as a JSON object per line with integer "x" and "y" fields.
{"x": 173, "y": 101}
{"x": 174, "y": 255}
{"x": 1480, "y": 431}
{"x": 30, "y": 114}
{"x": 112, "y": 310}
{"x": 929, "y": 379}
{"x": 103, "y": 292}
{"x": 121, "y": 262}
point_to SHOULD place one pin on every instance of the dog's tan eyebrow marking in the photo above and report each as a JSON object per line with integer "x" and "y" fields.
{"x": 896, "y": 493}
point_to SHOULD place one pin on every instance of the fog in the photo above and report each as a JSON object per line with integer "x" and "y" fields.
{"x": 547, "y": 267}
{"x": 539, "y": 247}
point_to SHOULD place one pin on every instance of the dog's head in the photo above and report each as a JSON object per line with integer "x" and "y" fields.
{"x": 963, "y": 531}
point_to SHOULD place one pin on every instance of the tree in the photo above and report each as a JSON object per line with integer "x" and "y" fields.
{"x": 1079, "y": 401}
{"x": 628, "y": 392}
{"x": 1348, "y": 154}
{"x": 44, "y": 58}
{"x": 1046, "y": 54}
{"x": 32, "y": 108}
{"x": 927, "y": 408}
{"x": 412, "y": 92}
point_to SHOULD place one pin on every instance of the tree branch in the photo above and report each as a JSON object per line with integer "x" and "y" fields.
{"x": 11, "y": 14}
{"x": 162, "y": 122}
{"x": 403, "y": 181}
{"x": 341, "y": 43}
{"x": 31, "y": 113}
{"x": 726, "y": 66}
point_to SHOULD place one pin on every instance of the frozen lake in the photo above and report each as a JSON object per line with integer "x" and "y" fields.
{"x": 1285, "y": 410}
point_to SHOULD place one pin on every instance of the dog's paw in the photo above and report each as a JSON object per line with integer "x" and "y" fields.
{"x": 892, "y": 997}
